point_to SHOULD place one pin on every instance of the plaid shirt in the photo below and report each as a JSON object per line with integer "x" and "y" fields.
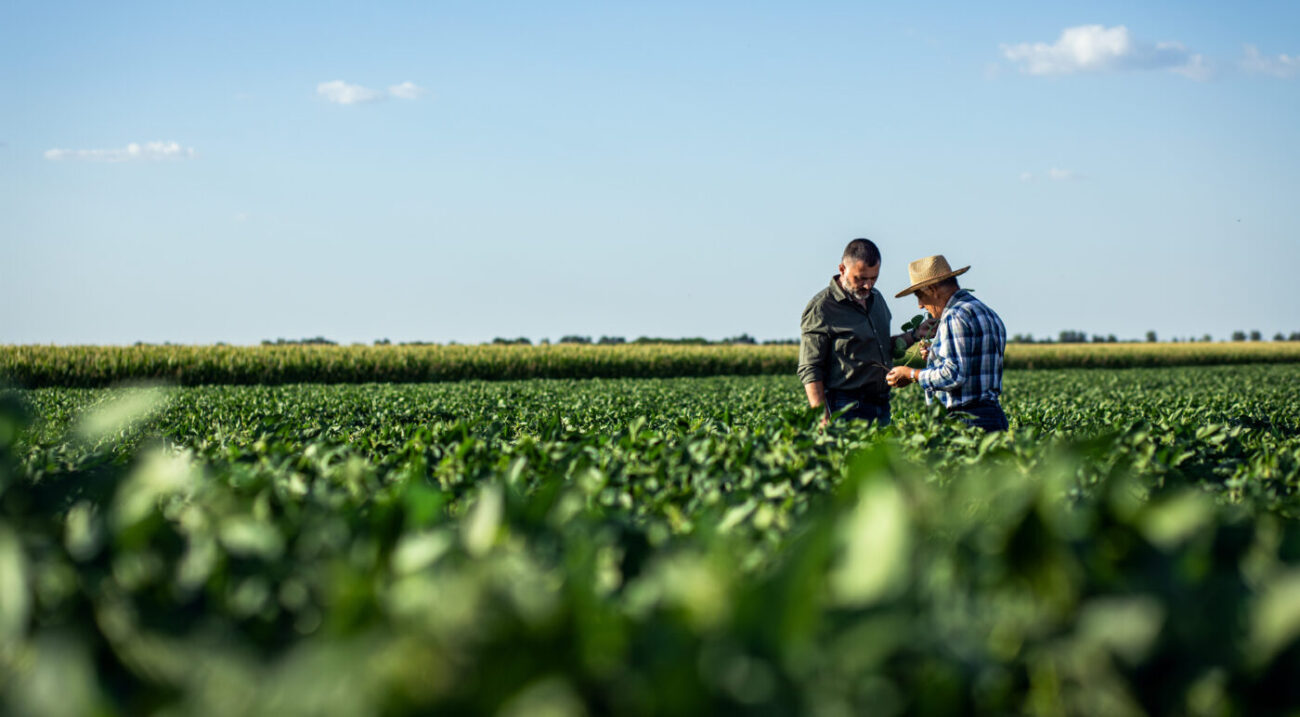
{"x": 965, "y": 363}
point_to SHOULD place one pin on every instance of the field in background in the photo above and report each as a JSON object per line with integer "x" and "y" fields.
{"x": 652, "y": 546}
{"x": 40, "y": 366}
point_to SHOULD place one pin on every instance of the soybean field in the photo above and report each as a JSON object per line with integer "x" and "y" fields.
{"x": 652, "y": 546}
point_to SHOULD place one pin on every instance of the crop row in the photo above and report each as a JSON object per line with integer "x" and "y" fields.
{"x": 652, "y": 547}
{"x": 33, "y": 366}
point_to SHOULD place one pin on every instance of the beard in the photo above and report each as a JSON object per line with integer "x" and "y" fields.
{"x": 859, "y": 295}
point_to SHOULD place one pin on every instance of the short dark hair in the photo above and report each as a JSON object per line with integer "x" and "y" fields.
{"x": 861, "y": 250}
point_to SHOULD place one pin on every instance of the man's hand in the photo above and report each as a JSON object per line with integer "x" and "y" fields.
{"x": 925, "y": 353}
{"x": 900, "y": 376}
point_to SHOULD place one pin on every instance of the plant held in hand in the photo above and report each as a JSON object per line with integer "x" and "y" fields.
{"x": 902, "y": 354}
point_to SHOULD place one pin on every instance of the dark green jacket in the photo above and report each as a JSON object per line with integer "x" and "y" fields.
{"x": 842, "y": 343}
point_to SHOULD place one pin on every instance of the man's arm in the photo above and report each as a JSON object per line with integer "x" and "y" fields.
{"x": 816, "y": 391}
{"x": 814, "y": 349}
{"x": 949, "y": 369}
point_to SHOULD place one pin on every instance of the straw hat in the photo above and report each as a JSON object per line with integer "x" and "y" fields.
{"x": 927, "y": 271}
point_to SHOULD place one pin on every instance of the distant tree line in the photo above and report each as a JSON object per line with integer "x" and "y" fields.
{"x": 1068, "y": 336}
{"x": 314, "y": 341}
{"x": 1080, "y": 337}
{"x": 690, "y": 341}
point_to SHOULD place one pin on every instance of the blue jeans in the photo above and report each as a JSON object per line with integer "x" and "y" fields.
{"x": 986, "y": 414}
{"x": 861, "y": 410}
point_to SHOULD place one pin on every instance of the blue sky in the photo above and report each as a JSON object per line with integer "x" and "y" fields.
{"x": 458, "y": 171}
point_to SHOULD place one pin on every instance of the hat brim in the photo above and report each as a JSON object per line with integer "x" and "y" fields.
{"x": 932, "y": 280}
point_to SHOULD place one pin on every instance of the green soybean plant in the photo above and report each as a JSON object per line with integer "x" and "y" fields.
{"x": 902, "y": 354}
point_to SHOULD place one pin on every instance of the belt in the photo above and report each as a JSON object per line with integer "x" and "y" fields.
{"x": 983, "y": 402}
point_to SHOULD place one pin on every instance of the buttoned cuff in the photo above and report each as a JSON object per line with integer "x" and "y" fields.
{"x": 922, "y": 378}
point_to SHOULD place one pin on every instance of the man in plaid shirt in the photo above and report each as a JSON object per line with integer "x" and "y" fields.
{"x": 964, "y": 364}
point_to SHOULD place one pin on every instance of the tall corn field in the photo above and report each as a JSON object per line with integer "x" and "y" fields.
{"x": 89, "y": 366}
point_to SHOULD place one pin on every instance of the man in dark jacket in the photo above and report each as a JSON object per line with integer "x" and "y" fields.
{"x": 845, "y": 348}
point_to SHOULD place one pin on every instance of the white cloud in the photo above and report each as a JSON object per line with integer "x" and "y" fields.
{"x": 1096, "y": 48}
{"x": 406, "y": 91}
{"x": 1196, "y": 68}
{"x": 1278, "y": 66}
{"x": 133, "y": 151}
{"x": 345, "y": 94}
{"x": 241, "y": 217}
{"x": 1026, "y": 176}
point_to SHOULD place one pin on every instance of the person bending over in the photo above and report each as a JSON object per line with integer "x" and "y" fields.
{"x": 964, "y": 364}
